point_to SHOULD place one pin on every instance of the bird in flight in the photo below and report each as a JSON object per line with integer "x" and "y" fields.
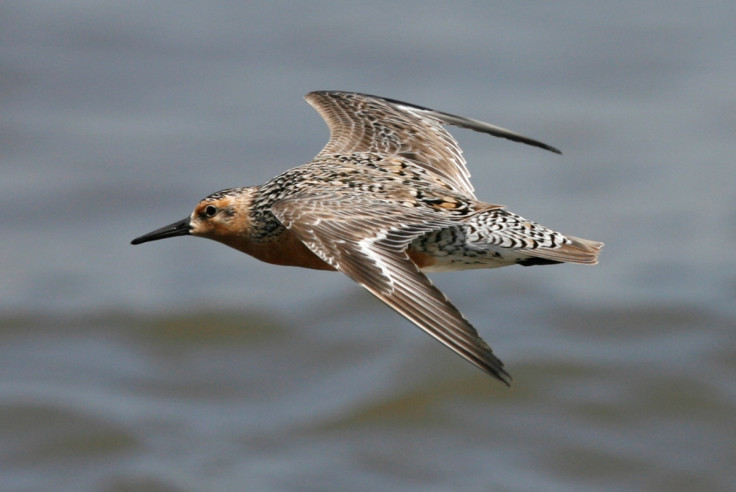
{"x": 385, "y": 201}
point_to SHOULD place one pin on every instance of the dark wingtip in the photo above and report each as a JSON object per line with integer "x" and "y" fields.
{"x": 552, "y": 149}
{"x": 502, "y": 376}
{"x": 493, "y": 366}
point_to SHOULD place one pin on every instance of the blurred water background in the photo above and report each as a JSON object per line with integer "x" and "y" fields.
{"x": 186, "y": 366}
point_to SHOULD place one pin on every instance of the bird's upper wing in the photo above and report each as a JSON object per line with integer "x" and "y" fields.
{"x": 364, "y": 123}
{"x": 367, "y": 241}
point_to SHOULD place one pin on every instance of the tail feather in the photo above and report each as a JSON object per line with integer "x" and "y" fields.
{"x": 583, "y": 251}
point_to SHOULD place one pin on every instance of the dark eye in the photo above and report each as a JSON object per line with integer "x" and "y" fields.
{"x": 210, "y": 210}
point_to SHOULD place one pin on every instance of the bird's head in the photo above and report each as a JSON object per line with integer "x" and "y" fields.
{"x": 222, "y": 216}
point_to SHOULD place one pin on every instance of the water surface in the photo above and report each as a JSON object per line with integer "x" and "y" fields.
{"x": 182, "y": 365}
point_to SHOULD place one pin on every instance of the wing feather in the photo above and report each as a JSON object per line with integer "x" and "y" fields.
{"x": 365, "y": 123}
{"x": 372, "y": 252}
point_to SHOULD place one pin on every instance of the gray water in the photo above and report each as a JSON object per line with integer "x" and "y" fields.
{"x": 183, "y": 365}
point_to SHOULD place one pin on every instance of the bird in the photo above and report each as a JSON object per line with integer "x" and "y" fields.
{"x": 387, "y": 200}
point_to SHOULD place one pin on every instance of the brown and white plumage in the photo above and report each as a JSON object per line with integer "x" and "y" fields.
{"x": 387, "y": 198}
{"x": 363, "y": 123}
{"x": 371, "y": 250}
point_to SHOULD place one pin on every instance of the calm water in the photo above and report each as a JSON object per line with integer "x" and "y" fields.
{"x": 185, "y": 366}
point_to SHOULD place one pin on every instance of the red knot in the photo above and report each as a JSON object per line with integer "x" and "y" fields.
{"x": 387, "y": 199}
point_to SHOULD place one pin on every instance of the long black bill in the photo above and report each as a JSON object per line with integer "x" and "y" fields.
{"x": 181, "y": 228}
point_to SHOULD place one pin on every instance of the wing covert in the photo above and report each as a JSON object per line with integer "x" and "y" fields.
{"x": 370, "y": 249}
{"x": 365, "y": 123}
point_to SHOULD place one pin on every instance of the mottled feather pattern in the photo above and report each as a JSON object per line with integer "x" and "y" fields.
{"x": 506, "y": 229}
{"x": 364, "y": 123}
{"x": 387, "y": 199}
{"x": 371, "y": 251}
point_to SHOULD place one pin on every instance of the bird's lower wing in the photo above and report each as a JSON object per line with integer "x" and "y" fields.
{"x": 367, "y": 242}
